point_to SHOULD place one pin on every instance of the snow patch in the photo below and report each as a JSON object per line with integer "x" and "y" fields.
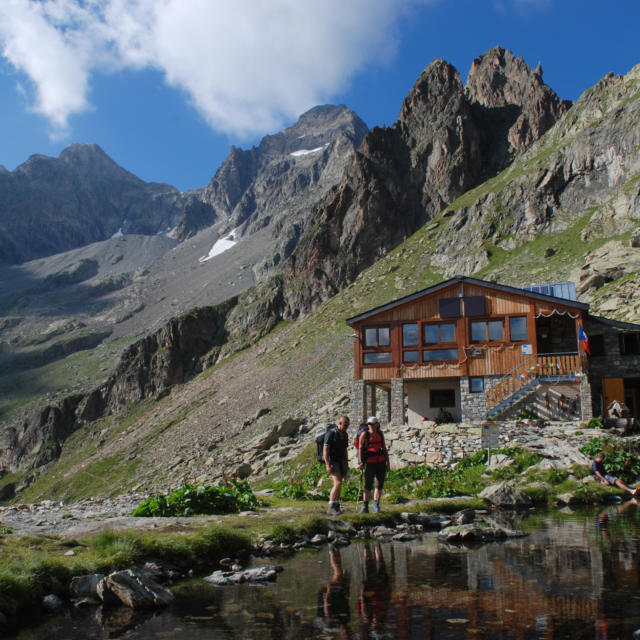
{"x": 306, "y": 152}
{"x": 118, "y": 233}
{"x": 221, "y": 245}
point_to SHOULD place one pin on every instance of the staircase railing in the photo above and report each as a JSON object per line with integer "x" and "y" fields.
{"x": 530, "y": 368}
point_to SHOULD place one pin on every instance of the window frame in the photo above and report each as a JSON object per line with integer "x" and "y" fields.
{"x": 369, "y": 350}
{"x": 440, "y": 345}
{"x": 471, "y": 379}
{"x": 486, "y": 321}
{"x": 526, "y": 324}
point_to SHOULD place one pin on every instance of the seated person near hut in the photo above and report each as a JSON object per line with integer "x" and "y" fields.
{"x": 444, "y": 417}
{"x": 601, "y": 474}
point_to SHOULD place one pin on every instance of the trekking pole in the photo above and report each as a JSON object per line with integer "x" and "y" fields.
{"x": 360, "y": 487}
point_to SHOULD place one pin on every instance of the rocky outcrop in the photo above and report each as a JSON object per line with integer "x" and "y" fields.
{"x": 447, "y": 140}
{"x": 50, "y": 205}
{"x": 151, "y": 366}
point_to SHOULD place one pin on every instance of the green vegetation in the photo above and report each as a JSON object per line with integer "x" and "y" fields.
{"x": 595, "y": 423}
{"x": 621, "y": 457}
{"x": 30, "y": 567}
{"x": 188, "y": 500}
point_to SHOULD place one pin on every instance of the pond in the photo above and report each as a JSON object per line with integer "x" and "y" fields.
{"x": 575, "y": 576}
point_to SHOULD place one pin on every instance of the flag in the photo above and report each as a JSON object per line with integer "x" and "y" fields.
{"x": 582, "y": 336}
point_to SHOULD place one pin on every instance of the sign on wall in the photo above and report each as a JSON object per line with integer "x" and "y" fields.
{"x": 527, "y": 349}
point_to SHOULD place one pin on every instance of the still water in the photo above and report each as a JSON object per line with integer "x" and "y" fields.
{"x": 574, "y": 576}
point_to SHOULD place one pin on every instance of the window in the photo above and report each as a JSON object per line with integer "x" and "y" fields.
{"x": 443, "y": 398}
{"x": 410, "y": 335}
{"x": 474, "y": 306}
{"x": 476, "y": 385}
{"x": 410, "y": 356}
{"x": 377, "y": 337}
{"x": 518, "y": 329}
{"x": 377, "y": 357}
{"x": 449, "y": 307}
{"x": 596, "y": 345}
{"x": 487, "y": 331}
{"x": 629, "y": 344}
{"x": 439, "y": 354}
{"x": 437, "y": 333}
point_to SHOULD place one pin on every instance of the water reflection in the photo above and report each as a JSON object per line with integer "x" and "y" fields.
{"x": 574, "y": 576}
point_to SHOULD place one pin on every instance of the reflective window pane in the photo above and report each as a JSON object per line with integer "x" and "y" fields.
{"x": 384, "y": 339}
{"x": 376, "y": 358}
{"x": 447, "y": 333}
{"x": 478, "y": 331}
{"x": 371, "y": 337}
{"x": 476, "y": 385}
{"x": 410, "y": 356}
{"x": 409, "y": 335}
{"x": 430, "y": 334}
{"x": 496, "y": 330}
{"x": 518, "y": 328}
{"x": 439, "y": 354}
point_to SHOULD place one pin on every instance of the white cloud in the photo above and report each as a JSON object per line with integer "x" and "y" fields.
{"x": 246, "y": 65}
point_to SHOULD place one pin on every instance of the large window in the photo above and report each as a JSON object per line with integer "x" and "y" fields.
{"x": 430, "y": 355}
{"x": 438, "y": 333}
{"x": 518, "y": 329}
{"x": 443, "y": 398}
{"x": 487, "y": 331}
{"x": 410, "y": 335}
{"x": 377, "y": 337}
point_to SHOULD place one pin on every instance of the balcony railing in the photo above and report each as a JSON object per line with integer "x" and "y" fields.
{"x": 533, "y": 367}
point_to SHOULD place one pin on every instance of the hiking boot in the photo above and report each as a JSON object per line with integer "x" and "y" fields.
{"x": 334, "y": 509}
{"x": 375, "y": 507}
{"x": 364, "y": 508}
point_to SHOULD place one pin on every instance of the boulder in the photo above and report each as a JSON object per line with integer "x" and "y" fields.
{"x": 138, "y": 591}
{"x": 476, "y": 534}
{"x": 242, "y": 471}
{"x": 289, "y": 427}
{"x": 257, "y": 575}
{"x": 52, "y": 603}
{"x": 504, "y": 495}
{"x": 426, "y": 520}
{"x": 85, "y": 586}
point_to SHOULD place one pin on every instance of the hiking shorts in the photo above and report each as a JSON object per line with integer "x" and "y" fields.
{"x": 377, "y": 471}
{"x": 340, "y": 467}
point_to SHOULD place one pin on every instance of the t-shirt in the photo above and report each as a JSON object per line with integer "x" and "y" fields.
{"x": 598, "y": 467}
{"x": 338, "y": 443}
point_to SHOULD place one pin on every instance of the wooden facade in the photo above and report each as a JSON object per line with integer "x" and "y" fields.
{"x": 494, "y": 356}
{"x": 495, "y": 337}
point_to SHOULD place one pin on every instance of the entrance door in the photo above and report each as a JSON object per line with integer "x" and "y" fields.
{"x": 612, "y": 389}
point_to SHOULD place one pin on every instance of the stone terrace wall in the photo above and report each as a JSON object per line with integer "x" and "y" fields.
{"x": 443, "y": 445}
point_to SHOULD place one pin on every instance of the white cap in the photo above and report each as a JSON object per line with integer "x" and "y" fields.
{"x": 372, "y": 420}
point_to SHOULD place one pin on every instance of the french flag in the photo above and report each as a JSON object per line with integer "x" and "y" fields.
{"x": 582, "y": 336}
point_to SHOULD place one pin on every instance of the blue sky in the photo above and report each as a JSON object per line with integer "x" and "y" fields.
{"x": 165, "y": 87}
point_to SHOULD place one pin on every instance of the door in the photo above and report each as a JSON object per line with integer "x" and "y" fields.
{"x": 612, "y": 389}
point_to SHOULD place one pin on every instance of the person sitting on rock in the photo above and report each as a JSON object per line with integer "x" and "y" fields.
{"x": 601, "y": 474}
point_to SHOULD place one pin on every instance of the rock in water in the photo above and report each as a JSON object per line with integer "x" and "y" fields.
{"x": 138, "y": 591}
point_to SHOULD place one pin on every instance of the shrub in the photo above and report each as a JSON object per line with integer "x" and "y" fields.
{"x": 621, "y": 457}
{"x": 594, "y": 423}
{"x": 189, "y": 500}
{"x": 555, "y": 476}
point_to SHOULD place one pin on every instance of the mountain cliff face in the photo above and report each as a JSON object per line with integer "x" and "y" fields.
{"x": 49, "y": 205}
{"x": 447, "y": 139}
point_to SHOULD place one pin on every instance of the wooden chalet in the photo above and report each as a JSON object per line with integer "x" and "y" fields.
{"x": 469, "y": 348}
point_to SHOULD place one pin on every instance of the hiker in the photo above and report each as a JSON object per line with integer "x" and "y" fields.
{"x": 335, "y": 454}
{"x": 601, "y": 474}
{"x": 373, "y": 458}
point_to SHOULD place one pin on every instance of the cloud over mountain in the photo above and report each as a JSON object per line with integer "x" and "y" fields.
{"x": 246, "y": 65}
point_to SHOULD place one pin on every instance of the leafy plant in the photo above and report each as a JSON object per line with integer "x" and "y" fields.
{"x": 621, "y": 457}
{"x": 527, "y": 414}
{"x": 189, "y": 500}
{"x": 594, "y": 423}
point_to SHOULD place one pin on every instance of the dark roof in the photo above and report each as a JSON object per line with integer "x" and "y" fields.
{"x": 475, "y": 281}
{"x": 625, "y": 326}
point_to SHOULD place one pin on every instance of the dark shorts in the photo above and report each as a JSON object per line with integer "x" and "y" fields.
{"x": 340, "y": 467}
{"x": 377, "y": 470}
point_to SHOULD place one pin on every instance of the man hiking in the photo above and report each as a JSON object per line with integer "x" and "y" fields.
{"x": 335, "y": 454}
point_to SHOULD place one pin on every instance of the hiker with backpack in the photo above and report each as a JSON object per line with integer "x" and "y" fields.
{"x": 374, "y": 459}
{"x": 335, "y": 456}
